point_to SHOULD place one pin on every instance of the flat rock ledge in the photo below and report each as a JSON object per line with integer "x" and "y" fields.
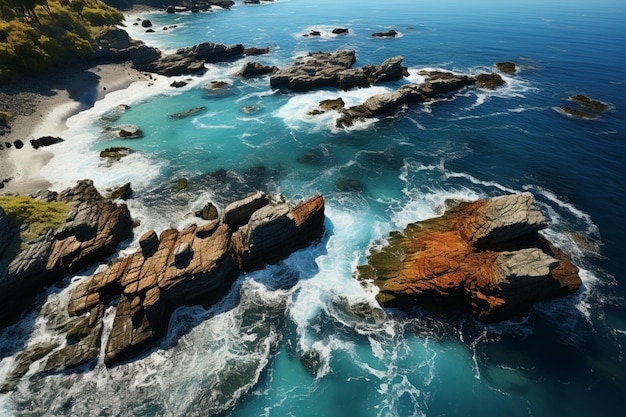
{"x": 334, "y": 69}
{"x": 194, "y": 266}
{"x": 485, "y": 258}
{"x": 93, "y": 229}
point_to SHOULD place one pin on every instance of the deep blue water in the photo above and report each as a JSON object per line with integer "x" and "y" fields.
{"x": 284, "y": 342}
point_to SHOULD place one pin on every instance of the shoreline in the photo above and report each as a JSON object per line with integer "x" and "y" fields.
{"x": 40, "y": 106}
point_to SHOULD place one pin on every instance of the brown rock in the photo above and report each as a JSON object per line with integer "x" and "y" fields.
{"x": 485, "y": 258}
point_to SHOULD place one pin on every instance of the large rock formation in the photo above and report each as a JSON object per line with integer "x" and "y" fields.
{"x": 437, "y": 83}
{"x": 485, "y": 258}
{"x": 334, "y": 69}
{"x": 193, "y": 266}
{"x": 93, "y": 229}
{"x": 189, "y": 60}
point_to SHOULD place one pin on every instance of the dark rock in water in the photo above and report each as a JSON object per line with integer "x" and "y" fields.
{"x": 568, "y": 111}
{"x": 150, "y": 31}
{"x": 124, "y": 192}
{"x": 8, "y": 144}
{"x": 146, "y": 23}
{"x": 208, "y": 212}
{"x": 489, "y": 81}
{"x": 315, "y": 70}
{"x": 254, "y": 69}
{"x": 115, "y": 153}
{"x": 185, "y": 60}
{"x": 349, "y": 185}
{"x": 315, "y": 157}
{"x": 507, "y": 67}
{"x": 441, "y": 82}
{"x": 126, "y": 131}
{"x": 332, "y": 104}
{"x": 250, "y": 109}
{"x": 18, "y": 144}
{"x": 389, "y": 34}
{"x": 256, "y": 51}
{"x": 485, "y": 258}
{"x": 196, "y": 265}
{"x": 187, "y": 113}
{"x": 178, "y": 84}
{"x": 44, "y": 141}
{"x": 340, "y": 31}
{"x": 588, "y": 103}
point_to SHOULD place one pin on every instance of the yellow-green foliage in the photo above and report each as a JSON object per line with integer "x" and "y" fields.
{"x": 67, "y": 29}
{"x": 5, "y": 116}
{"x": 34, "y": 216}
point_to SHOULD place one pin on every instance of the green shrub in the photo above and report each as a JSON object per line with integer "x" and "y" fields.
{"x": 39, "y": 216}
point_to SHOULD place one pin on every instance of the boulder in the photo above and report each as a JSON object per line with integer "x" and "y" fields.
{"x": 390, "y": 70}
{"x": 115, "y": 153}
{"x": 489, "y": 81}
{"x": 254, "y": 69}
{"x": 507, "y": 67}
{"x": 485, "y": 258}
{"x": 389, "y": 34}
{"x": 126, "y": 131}
{"x": 45, "y": 141}
{"x": 352, "y": 78}
{"x": 146, "y": 23}
{"x": 252, "y": 51}
{"x": 340, "y": 31}
{"x": 208, "y": 212}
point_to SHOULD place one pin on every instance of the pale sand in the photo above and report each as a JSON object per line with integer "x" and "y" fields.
{"x": 41, "y": 106}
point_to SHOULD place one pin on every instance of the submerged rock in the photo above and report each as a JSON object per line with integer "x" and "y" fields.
{"x": 579, "y": 114}
{"x": 485, "y": 258}
{"x": 588, "y": 103}
{"x": 187, "y": 113}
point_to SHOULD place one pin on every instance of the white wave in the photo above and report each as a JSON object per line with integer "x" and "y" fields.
{"x": 295, "y": 113}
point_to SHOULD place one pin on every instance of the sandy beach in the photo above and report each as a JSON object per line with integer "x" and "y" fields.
{"x": 40, "y": 106}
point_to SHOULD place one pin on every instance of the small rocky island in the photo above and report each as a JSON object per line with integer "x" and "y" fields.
{"x": 485, "y": 258}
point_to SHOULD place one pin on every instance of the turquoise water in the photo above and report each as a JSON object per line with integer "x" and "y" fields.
{"x": 287, "y": 341}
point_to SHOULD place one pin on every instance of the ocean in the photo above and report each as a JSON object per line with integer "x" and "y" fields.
{"x": 294, "y": 338}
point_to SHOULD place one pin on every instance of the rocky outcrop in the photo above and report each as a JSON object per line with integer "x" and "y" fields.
{"x": 485, "y": 258}
{"x": 334, "y": 69}
{"x": 254, "y": 69}
{"x": 389, "y": 34}
{"x": 193, "y": 266}
{"x": 125, "y": 131}
{"x": 188, "y": 60}
{"x": 507, "y": 67}
{"x": 437, "y": 83}
{"x": 93, "y": 229}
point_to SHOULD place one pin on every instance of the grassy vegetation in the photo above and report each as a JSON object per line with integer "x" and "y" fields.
{"x": 33, "y": 217}
{"x": 36, "y": 35}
